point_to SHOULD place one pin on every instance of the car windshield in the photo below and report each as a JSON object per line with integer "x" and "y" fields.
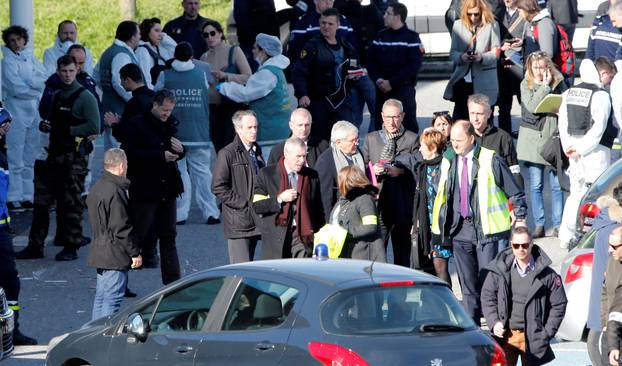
{"x": 394, "y": 310}
{"x": 607, "y": 180}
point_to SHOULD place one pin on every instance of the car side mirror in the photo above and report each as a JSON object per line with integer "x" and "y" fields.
{"x": 137, "y": 327}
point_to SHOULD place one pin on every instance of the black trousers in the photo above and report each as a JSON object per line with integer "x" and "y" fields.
{"x": 9, "y": 278}
{"x": 162, "y": 215}
{"x": 400, "y": 240}
{"x": 406, "y": 95}
{"x": 59, "y": 179}
{"x": 462, "y": 91}
{"x": 324, "y": 116}
{"x": 471, "y": 258}
{"x": 509, "y": 86}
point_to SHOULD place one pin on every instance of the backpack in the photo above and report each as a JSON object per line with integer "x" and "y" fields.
{"x": 564, "y": 57}
{"x": 157, "y": 68}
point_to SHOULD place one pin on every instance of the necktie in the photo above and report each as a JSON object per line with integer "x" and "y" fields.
{"x": 464, "y": 189}
{"x": 292, "y": 180}
{"x": 254, "y": 161}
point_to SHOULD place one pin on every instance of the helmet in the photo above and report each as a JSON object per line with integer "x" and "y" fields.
{"x": 5, "y": 116}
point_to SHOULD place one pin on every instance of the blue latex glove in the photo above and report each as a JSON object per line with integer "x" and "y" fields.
{"x": 218, "y": 87}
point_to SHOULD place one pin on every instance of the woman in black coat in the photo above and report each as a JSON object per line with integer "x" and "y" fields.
{"x": 357, "y": 213}
{"x": 427, "y": 174}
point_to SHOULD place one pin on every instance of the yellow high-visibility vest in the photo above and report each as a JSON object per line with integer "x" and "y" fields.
{"x": 494, "y": 210}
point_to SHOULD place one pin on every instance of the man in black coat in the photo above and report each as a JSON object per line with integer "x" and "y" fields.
{"x": 233, "y": 182}
{"x": 523, "y": 300}
{"x": 344, "y": 151}
{"x": 287, "y": 198}
{"x": 252, "y": 18}
{"x": 113, "y": 251}
{"x": 141, "y": 101}
{"x": 320, "y": 76}
{"x": 300, "y": 125}
{"x": 152, "y": 152}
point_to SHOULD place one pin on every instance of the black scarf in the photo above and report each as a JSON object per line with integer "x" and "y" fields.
{"x": 421, "y": 220}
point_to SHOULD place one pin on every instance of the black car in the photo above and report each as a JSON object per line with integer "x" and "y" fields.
{"x": 7, "y": 322}
{"x": 287, "y": 312}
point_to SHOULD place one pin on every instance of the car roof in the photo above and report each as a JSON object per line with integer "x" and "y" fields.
{"x": 335, "y": 271}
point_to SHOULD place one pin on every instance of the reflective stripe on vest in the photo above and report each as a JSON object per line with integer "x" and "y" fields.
{"x": 441, "y": 197}
{"x": 259, "y": 197}
{"x": 370, "y": 220}
{"x": 494, "y": 210}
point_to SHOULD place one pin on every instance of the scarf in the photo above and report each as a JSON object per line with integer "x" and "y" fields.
{"x": 388, "y": 151}
{"x": 304, "y": 227}
{"x": 421, "y": 219}
{"x": 341, "y": 161}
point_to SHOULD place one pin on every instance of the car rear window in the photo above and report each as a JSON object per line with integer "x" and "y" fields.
{"x": 392, "y": 310}
{"x": 587, "y": 241}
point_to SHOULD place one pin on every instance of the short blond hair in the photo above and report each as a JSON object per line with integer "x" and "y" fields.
{"x": 113, "y": 158}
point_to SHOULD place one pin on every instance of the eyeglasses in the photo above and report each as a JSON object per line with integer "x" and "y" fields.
{"x": 473, "y": 14}
{"x": 209, "y": 34}
{"x": 615, "y": 246}
{"x": 521, "y": 245}
{"x": 440, "y": 113}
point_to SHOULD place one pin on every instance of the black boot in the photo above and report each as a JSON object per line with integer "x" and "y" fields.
{"x": 19, "y": 339}
{"x": 30, "y": 252}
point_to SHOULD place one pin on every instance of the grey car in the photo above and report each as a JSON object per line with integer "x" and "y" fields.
{"x": 287, "y": 312}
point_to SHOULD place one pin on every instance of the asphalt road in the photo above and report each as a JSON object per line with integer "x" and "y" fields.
{"x": 57, "y": 297}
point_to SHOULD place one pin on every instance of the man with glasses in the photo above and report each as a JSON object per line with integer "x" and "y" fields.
{"x": 384, "y": 152}
{"x": 523, "y": 300}
{"x": 393, "y": 63}
{"x": 611, "y": 303}
{"x": 471, "y": 209}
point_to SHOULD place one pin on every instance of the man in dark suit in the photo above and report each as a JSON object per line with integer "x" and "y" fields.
{"x": 344, "y": 151}
{"x": 287, "y": 198}
{"x": 152, "y": 151}
{"x": 300, "y": 124}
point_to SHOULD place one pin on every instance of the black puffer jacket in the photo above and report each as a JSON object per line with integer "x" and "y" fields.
{"x": 109, "y": 214}
{"x": 359, "y": 216}
{"x": 233, "y": 183}
{"x": 545, "y": 307}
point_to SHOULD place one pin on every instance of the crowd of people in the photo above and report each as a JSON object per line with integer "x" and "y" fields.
{"x": 184, "y": 113}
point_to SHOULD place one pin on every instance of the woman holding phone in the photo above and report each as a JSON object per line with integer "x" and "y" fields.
{"x": 475, "y": 48}
{"x": 541, "y": 79}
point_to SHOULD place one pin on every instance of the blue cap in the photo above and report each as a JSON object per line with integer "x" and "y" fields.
{"x": 321, "y": 252}
{"x": 5, "y": 116}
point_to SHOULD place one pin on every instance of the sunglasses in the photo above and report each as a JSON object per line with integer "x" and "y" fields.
{"x": 209, "y": 34}
{"x": 521, "y": 245}
{"x": 440, "y": 113}
{"x": 474, "y": 14}
{"x": 615, "y": 247}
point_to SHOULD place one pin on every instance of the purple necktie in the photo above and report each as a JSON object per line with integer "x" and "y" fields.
{"x": 464, "y": 189}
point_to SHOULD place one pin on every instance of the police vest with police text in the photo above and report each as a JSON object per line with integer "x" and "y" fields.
{"x": 578, "y": 104}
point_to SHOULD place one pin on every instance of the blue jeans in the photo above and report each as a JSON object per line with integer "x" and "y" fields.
{"x": 536, "y": 183}
{"x": 363, "y": 92}
{"x": 109, "y": 292}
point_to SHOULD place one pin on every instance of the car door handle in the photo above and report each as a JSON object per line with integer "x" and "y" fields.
{"x": 184, "y": 348}
{"x": 264, "y": 346}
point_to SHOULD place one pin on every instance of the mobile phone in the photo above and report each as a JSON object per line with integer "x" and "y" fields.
{"x": 470, "y": 53}
{"x": 512, "y": 40}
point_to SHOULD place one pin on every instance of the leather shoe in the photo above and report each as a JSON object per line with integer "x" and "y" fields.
{"x": 129, "y": 293}
{"x": 182, "y": 222}
{"x": 19, "y": 339}
{"x": 66, "y": 255}
{"x": 538, "y": 232}
{"x": 213, "y": 221}
{"x": 29, "y": 252}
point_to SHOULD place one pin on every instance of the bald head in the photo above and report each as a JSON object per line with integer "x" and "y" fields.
{"x": 462, "y": 137}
